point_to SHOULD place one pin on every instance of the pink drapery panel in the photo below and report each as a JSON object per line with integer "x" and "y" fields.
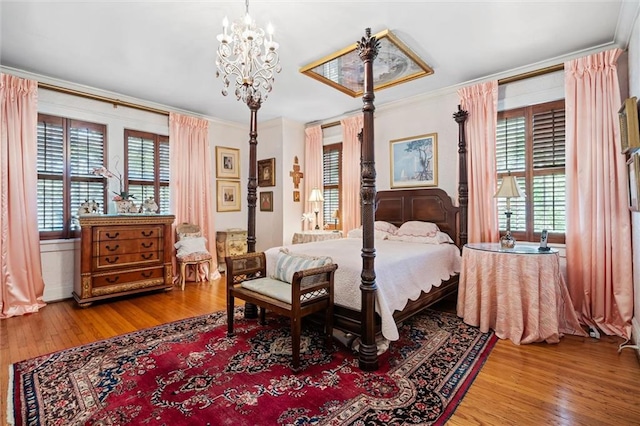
{"x": 21, "y": 283}
{"x": 481, "y": 101}
{"x": 599, "y": 271}
{"x": 191, "y": 179}
{"x": 313, "y": 174}
{"x": 350, "y": 214}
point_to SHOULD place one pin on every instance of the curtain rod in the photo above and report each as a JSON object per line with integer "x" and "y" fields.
{"x": 115, "y": 102}
{"x": 530, "y": 74}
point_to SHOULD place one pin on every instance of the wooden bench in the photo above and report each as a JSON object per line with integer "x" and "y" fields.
{"x": 310, "y": 290}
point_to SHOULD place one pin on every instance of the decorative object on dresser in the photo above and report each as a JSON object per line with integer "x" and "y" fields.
{"x": 122, "y": 255}
{"x": 192, "y": 250}
{"x": 231, "y": 242}
{"x": 508, "y": 189}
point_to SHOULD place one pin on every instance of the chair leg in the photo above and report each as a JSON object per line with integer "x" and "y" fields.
{"x": 230, "y": 332}
{"x": 329, "y": 326}
{"x": 183, "y": 269}
{"x": 295, "y": 344}
{"x": 210, "y": 271}
{"x": 263, "y": 316}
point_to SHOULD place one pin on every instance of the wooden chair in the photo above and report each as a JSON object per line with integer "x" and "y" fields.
{"x": 191, "y": 250}
{"x": 310, "y": 290}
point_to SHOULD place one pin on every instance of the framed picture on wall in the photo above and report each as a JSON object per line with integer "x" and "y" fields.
{"x": 629, "y": 128}
{"x": 266, "y": 201}
{"x": 227, "y": 163}
{"x": 228, "y": 195}
{"x": 414, "y": 161}
{"x": 633, "y": 168}
{"x": 267, "y": 172}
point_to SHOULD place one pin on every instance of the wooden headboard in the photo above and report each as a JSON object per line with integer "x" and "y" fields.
{"x": 427, "y": 205}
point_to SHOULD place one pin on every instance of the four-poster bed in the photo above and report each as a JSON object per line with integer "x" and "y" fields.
{"x": 396, "y": 207}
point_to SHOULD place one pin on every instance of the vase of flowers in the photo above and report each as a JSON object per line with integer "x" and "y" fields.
{"x": 122, "y": 199}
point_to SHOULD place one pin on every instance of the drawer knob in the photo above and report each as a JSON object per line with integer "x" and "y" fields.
{"x": 108, "y": 234}
{"x": 147, "y": 245}
{"x": 113, "y": 248}
{"x": 108, "y": 259}
{"x": 146, "y": 256}
{"x": 147, "y": 234}
{"x": 147, "y": 274}
{"x": 113, "y": 280}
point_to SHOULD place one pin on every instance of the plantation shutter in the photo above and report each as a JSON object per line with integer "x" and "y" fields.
{"x": 148, "y": 168}
{"x": 331, "y": 167}
{"x": 68, "y": 151}
{"x": 50, "y": 174}
{"x": 549, "y": 173}
{"x": 164, "y": 175}
{"x": 510, "y": 157}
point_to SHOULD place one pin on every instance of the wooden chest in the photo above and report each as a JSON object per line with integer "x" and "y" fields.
{"x": 231, "y": 242}
{"x": 123, "y": 254}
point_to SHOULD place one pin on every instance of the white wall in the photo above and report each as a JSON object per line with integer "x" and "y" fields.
{"x": 634, "y": 90}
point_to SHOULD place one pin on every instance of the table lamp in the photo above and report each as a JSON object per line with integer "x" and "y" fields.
{"x": 508, "y": 189}
{"x": 334, "y": 215}
{"x": 316, "y": 198}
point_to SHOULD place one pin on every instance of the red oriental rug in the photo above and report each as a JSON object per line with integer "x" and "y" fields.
{"x": 190, "y": 372}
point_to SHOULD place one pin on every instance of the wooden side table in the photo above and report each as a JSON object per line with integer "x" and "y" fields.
{"x": 520, "y": 293}
{"x": 315, "y": 235}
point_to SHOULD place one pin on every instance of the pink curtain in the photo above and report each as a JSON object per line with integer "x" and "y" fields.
{"x": 21, "y": 283}
{"x": 481, "y": 101}
{"x": 350, "y": 214}
{"x": 598, "y": 267}
{"x": 313, "y": 174}
{"x": 191, "y": 179}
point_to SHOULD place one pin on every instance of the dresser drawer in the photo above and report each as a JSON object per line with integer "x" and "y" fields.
{"x": 119, "y": 260}
{"x": 115, "y": 233}
{"x": 151, "y": 276}
{"x": 235, "y": 248}
{"x": 106, "y": 248}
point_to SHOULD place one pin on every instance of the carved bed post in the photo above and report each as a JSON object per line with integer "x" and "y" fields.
{"x": 368, "y": 48}
{"x": 250, "y": 310}
{"x": 463, "y": 188}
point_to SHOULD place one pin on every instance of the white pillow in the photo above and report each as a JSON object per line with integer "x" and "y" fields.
{"x": 191, "y": 245}
{"x": 378, "y": 235}
{"x": 417, "y": 228}
{"x": 381, "y": 225}
{"x": 439, "y": 238}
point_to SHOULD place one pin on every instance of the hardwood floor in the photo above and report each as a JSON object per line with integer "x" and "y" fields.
{"x": 580, "y": 381}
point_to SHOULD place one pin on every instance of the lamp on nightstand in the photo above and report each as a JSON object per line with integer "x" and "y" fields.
{"x": 508, "y": 189}
{"x": 316, "y": 198}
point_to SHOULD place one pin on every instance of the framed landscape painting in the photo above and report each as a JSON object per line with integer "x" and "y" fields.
{"x": 414, "y": 161}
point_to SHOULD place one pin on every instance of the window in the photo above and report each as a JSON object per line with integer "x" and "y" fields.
{"x": 530, "y": 144}
{"x": 147, "y": 157}
{"x": 332, "y": 172}
{"x": 68, "y": 151}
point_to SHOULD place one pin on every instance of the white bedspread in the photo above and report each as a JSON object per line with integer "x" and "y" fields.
{"x": 403, "y": 271}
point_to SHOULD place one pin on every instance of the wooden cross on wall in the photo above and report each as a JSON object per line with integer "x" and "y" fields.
{"x": 296, "y": 174}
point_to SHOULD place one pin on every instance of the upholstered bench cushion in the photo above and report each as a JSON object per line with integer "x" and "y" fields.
{"x": 271, "y": 287}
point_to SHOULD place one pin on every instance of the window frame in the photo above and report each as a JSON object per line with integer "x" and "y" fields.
{"x": 528, "y": 112}
{"x": 329, "y": 222}
{"x": 67, "y": 215}
{"x": 157, "y": 183}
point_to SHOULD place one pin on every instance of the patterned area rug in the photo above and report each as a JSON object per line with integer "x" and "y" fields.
{"x": 189, "y": 372}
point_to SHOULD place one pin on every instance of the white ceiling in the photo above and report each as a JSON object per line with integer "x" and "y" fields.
{"x": 164, "y": 51}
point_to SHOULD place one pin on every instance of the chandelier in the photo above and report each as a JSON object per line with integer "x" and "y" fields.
{"x": 247, "y": 57}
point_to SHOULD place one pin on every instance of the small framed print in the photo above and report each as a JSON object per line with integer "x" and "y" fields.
{"x": 267, "y": 172}
{"x": 227, "y": 163}
{"x": 414, "y": 161}
{"x": 633, "y": 168}
{"x": 266, "y": 201}
{"x": 228, "y": 196}
{"x": 296, "y": 196}
{"x": 629, "y": 127}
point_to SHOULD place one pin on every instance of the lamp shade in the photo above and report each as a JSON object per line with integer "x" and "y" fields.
{"x": 509, "y": 188}
{"x": 316, "y": 195}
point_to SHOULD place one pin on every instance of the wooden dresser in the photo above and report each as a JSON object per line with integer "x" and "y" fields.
{"x": 231, "y": 242}
{"x": 123, "y": 254}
